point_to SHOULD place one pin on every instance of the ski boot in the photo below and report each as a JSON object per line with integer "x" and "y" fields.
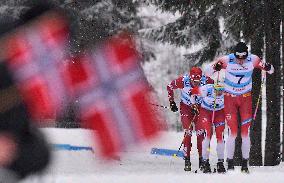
{"x": 200, "y": 163}
{"x": 206, "y": 166}
{"x": 244, "y": 168}
{"x": 187, "y": 164}
{"x": 220, "y": 166}
{"x": 230, "y": 164}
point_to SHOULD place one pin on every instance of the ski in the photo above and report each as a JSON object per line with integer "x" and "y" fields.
{"x": 167, "y": 152}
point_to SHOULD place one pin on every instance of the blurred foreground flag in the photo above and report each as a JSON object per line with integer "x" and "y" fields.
{"x": 108, "y": 83}
{"x": 34, "y": 53}
{"x": 113, "y": 95}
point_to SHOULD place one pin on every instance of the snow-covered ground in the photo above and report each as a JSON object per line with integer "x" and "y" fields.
{"x": 138, "y": 165}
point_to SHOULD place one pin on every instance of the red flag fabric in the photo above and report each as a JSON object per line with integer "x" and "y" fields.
{"x": 114, "y": 95}
{"x": 108, "y": 83}
{"x": 34, "y": 54}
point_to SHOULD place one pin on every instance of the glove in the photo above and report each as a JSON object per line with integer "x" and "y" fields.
{"x": 194, "y": 109}
{"x": 267, "y": 66}
{"x": 218, "y": 66}
{"x": 173, "y": 106}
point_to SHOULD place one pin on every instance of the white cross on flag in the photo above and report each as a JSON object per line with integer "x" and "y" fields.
{"x": 114, "y": 95}
{"x": 109, "y": 84}
{"x": 34, "y": 53}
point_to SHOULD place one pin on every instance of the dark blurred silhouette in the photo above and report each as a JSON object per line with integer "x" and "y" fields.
{"x": 23, "y": 148}
{"x": 24, "y": 151}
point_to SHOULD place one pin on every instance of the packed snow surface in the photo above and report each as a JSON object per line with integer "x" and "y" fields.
{"x": 137, "y": 165}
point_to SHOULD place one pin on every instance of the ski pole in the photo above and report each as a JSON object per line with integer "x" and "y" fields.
{"x": 259, "y": 96}
{"x": 214, "y": 105}
{"x": 185, "y": 135}
{"x": 214, "y": 108}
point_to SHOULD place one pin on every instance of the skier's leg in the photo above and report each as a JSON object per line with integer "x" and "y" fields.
{"x": 246, "y": 117}
{"x": 220, "y": 142}
{"x": 205, "y": 121}
{"x": 219, "y": 124}
{"x": 232, "y": 123}
{"x": 231, "y": 119}
{"x": 184, "y": 113}
{"x": 185, "y": 119}
{"x": 200, "y": 136}
{"x": 219, "y": 130}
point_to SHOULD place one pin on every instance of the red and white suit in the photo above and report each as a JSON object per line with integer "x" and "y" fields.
{"x": 212, "y": 114}
{"x": 238, "y": 86}
{"x": 187, "y": 117}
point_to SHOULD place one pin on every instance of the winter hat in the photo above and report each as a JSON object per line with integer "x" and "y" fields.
{"x": 195, "y": 73}
{"x": 241, "y": 50}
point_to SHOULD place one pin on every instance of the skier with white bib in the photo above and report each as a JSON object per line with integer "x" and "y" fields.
{"x": 189, "y": 109}
{"x": 212, "y": 115}
{"x": 238, "y": 68}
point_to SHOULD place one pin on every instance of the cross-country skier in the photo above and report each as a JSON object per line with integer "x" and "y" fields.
{"x": 238, "y": 68}
{"x": 212, "y": 114}
{"x": 189, "y": 109}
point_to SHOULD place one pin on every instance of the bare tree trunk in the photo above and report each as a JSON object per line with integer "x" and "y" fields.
{"x": 256, "y": 128}
{"x": 272, "y": 52}
{"x": 282, "y": 21}
{"x": 253, "y": 32}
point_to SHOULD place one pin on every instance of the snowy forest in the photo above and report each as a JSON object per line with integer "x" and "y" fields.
{"x": 174, "y": 35}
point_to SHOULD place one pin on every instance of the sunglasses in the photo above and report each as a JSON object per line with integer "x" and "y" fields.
{"x": 241, "y": 55}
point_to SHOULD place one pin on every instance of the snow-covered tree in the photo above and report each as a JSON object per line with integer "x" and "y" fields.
{"x": 96, "y": 20}
{"x": 11, "y": 10}
{"x": 198, "y": 24}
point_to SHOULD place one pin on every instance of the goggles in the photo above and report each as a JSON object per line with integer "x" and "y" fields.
{"x": 196, "y": 77}
{"x": 241, "y": 55}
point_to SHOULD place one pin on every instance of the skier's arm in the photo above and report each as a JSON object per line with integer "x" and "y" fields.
{"x": 209, "y": 80}
{"x": 218, "y": 64}
{"x": 257, "y": 63}
{"x": 175, "y": 84}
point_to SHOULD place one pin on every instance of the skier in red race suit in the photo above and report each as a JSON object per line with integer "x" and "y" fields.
{"x": 238, "y": 68}
{"x": 212, "y": 115}
{"x": 189, "y": 109}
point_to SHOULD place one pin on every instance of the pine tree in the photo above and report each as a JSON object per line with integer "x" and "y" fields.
{"x": 11, "y": 9}
{"x": 96, "y": 20}
{"x": 93, "y": 21}
{"x": 198, "y": 23}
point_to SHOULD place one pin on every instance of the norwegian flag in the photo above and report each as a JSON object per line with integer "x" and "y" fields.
{"x": 34, "y": 54}
{"x": 114, "y": 95}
